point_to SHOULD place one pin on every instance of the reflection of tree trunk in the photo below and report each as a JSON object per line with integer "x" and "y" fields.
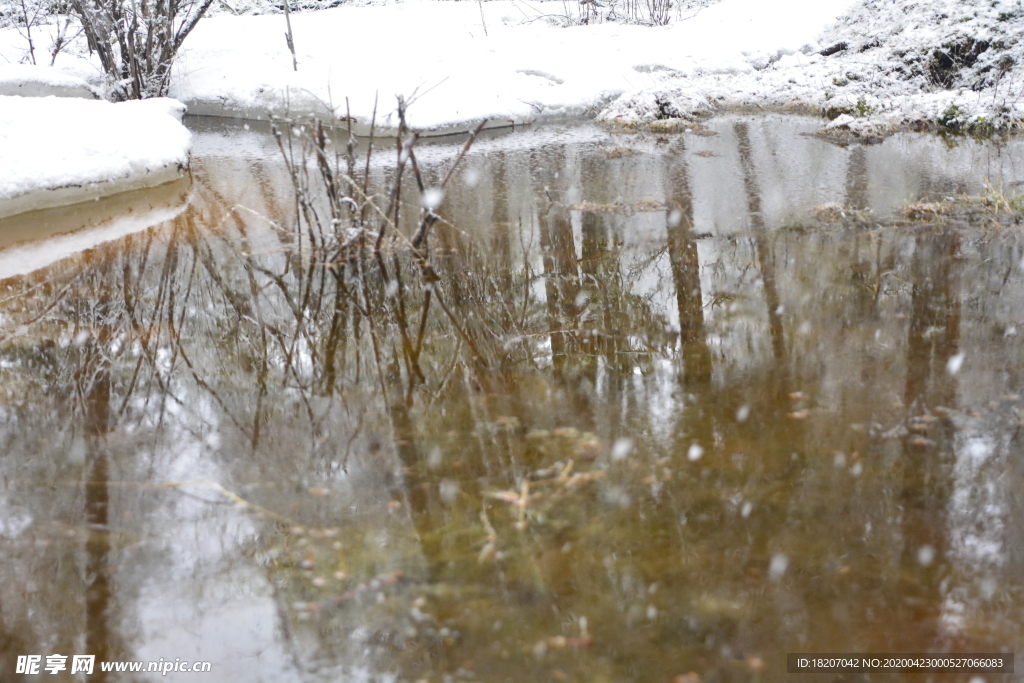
{"x": 934, "y": 320}
{"x": 857, "y": 200}
{"x": 337, "y": 336}
{"x": 599, "y": 335}
{"x": 683, "y": 256}
{"x": 764, "y": 255}
{"x": 501, "y": 242}
{"x": 420, "y": 484}
{"x": 928, "y": 450}
{"x": 95, "y": 384}
{"x": 562, "y": 283}
{"x": 98, "y": 594}
{"x": 417, "y": 487}
{"x": 698, "y": 422}
{"x": 857, "y": 180}
{"x": 417, "y": 484}
{"x": 603, "y": 323}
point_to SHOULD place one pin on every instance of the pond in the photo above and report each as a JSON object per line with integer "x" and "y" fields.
{"x": 661, "y": 408}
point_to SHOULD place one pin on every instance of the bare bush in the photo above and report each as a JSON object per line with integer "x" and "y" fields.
{"x": 37, "y": 21}
{"x": 643, "y": 12}
{"x": 335, "y": 202}
{"x": 354, "y": 229}
{"x": 136, "y": 40}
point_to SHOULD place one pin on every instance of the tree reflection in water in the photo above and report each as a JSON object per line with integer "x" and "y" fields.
{"x": 534, "y": 446}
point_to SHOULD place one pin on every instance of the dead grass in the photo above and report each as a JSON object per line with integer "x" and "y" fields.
{"x": 834, "y": 213}
{"x": 926, "y": 211}
{"x": 997, "y": 203}
{"x": 618, "y": 207}
{"x": 619, "y": 152}
{"x": 1000, "y": 201}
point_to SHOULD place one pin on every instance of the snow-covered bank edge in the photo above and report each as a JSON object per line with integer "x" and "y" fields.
{"x": 847, "y": 117}
{"x": 462, "y": 63}
{"x": 300, "y": 108}
{"x": 870, "y": 67}
{"x": 86, "y": 192}
{"x": 678, "y": 110}
{"x": 102, "y": 149}
{"x": 24, "y": 80}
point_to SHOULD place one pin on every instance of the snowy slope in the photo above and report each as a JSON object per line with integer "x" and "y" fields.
{"x": 58, "y": 151}
{"x": 886, "y": 63}
{"x": 522, "y": 68}
{"x": 872, "y": 65}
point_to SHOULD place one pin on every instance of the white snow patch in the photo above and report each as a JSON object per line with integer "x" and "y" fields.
{"x": 42, "y": 81}
{"x": 877, "y": 65}
{"x": 239, "y": 66}
{"x": 865, "y": 128}
{"x": 86, "y": 149}
{"x": 887, "y": 64}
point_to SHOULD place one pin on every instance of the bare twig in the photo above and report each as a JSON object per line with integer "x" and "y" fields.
{"x": 482, "y": 21}
{"x": 28, "y": 30}
{"x": 288, "y": 35}
{"x": 369, "y": 153}
{"x": 462, "y": 152}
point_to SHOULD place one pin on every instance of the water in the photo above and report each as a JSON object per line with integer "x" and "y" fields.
{"x": 669, "y": 419}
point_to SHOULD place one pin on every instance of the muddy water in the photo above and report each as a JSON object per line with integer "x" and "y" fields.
{"x": 656, "y": 417}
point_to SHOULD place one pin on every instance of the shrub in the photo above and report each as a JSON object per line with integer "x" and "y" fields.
{"x": 136, "y": 40}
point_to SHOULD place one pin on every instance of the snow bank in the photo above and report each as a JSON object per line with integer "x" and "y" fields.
{"x": 41, "y": 81}
{"x": 885, "y": 64}
{"x": 59, "y": 151}
{"x": 953, "y": 62}
{"x": 877, "y": 64}
{"x": 519, "y": 68}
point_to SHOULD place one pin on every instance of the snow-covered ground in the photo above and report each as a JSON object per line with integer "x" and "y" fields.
{"x": 519, "y": 69}
{"x": 874, "y": 64}
{"x": 884, "y": 64}
{"x": 56, "y": 151}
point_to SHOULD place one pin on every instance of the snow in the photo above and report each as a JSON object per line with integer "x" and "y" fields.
{"x": 886, "y": 63}
{"x": 522, "y": 69}
{"x": 86, "y": 149}
{"x": 41, "y": 81}
{"x": 957, "y": 63}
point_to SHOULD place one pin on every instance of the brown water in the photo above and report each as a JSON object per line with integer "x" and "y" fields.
{"x": 683, "y": 427}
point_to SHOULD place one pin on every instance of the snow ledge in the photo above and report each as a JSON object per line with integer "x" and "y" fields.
{"x": 93, "y": 149}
